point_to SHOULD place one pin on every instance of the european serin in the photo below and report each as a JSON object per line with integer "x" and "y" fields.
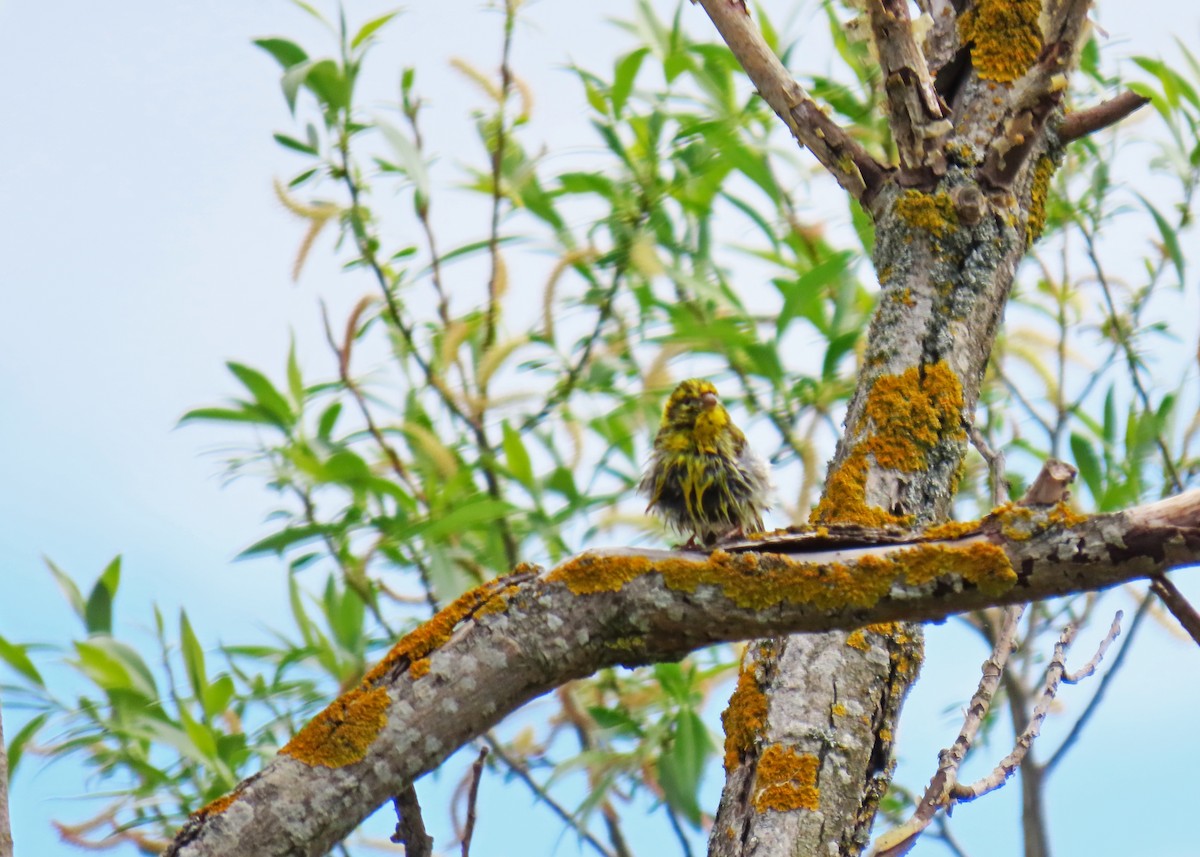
{"x": 702, "y": 478}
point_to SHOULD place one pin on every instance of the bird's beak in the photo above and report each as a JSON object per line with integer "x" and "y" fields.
{"x": 709, "y": 401}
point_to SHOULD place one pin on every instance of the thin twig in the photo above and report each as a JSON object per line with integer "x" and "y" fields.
{"x": 1131, "y": 358}
{"x": 851, "y": 165}
{"x": 1093, "y": 705}
{"x": 582, "y": 724}
{"x": 410, "y": 825}
{"x": 1088, "y": 669}
{"x": 554, "y": 806}
{"x": 1179, "y": 606}
{"x": 994, "y": 459}
{"x": 564, "y": 389}
{"x": 1055, "y": 673}
{"x": 684, "y": 845}
{"x": 901, "y": 839}
{"x": 472, "y": 799}
{"x": 506, "y": 80}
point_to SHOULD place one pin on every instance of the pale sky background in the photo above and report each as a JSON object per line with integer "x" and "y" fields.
{"x": 141, "y": 246}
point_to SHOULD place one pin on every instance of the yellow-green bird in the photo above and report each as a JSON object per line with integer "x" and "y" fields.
{"x": 703, "y": 479}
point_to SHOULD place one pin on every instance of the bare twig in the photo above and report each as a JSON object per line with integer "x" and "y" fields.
{"x": 563, "y": 390}
{"x": 900, "y": 840}
{"x": 563, "y": 814}
{"x": 1179, "y": 606}
{"x": 994, "y": 458}
{"x": 1055, "y": 673}
{"x": 1094, "y": 703}
{"x": 1088, "y": 669}
{"x": 684, "y": 845}
{"x": 410, "y": 825}
{"x": 853, "y": 167}
{"x": 582, "y": 724}
{"x": 492, "y": 316}
{"x": 1080, "y": 123}
{"x": 472, "y": 799}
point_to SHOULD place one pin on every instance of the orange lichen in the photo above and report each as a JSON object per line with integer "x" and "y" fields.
{"x": 1006, "y": 37}
{"x": 415, "y": 647}
{"x": 857, "y": 640}
{"x": 886, "y": 629}
{"x": 932, "y": 213}
{"x": 759, "y": 581}
{"x": 342, "y": 733}
{"x": 950, "y": 530}
{"x": 911, "y": 412}
{"x": 982, "y": 563}
{"x": 744, "y": 718}
{"x": 1039, "y": 190}
{"x": 588, "y": 574}
{"x": 215, "y": 807}
{"x": 838, "y": 710}
{"x": 905, "y": 417}
{"x": 786, "y": 780}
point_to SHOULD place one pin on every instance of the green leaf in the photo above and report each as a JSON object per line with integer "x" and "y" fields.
{"x": 69, "y": 590}
{"x": 468, "y": 515}
{"x": 1169, "y": 237}
{"x": 1088, "y": 465}
{"x": 325, "y": 79}
{"x": 517, "y": 457}
{"x": 114, "y": 666}
{"x": 264, "y": 393}
{"x": 229, "y": 415}
{"x": 682, "y": 765}
{"x": 295, "y": 382}
{"x": 328, "y": 419}
{"x": 217, "y": 696}
{"x": 193, "y": 656}
{"x": 199, "y": 734}
{"x": 98, "y": 613}
{"x": 624, "y": 74}
{"x": 15, "y": 657}
{"x": 371, "y": 27}
{"x": 410, "y": 160}
{"x": 16, "y": 748}
{"x": 286, "y": 53}
{"x": 277, "y": 543}
{"x": 294, "y": 144}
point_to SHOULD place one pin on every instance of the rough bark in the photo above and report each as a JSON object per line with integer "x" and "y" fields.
{"x": 518, "y": 637}
{"x": 951, "y": 223}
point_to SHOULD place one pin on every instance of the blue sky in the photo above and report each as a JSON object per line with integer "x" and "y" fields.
{"x": 141, "y": 247}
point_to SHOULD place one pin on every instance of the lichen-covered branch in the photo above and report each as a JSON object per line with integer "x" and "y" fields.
{"x": 1036, "y": 95}
{"x": 853, "y": 167}
{"x": 517, "y": 637}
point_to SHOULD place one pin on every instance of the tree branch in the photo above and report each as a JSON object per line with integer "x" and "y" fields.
{"x": 517, "y": 637}
{"x": 853, "y": 167}
{"x": 1179, "y": 606}
{"x": 1080, "y": 123}
{"x": 916, "y": 113}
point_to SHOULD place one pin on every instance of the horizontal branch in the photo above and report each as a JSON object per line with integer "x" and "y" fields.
{"x": 855, "y": 170}
{"x": 515, "y": 638}
{"x": 1080, "y": 123}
